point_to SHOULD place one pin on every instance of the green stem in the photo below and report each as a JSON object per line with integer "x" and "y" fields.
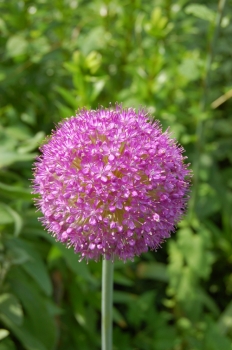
{"x": 203, "y": 105}
{"x": 107, "y": 303}
{"x": 210, "y": 56}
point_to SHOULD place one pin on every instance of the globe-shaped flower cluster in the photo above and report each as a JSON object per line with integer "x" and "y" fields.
{"x": 110, "y": 183}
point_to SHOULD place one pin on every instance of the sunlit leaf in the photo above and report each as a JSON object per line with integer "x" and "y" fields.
{"x": 10, "y": 309}
{"x": 201, "y": 11}
{"x": 8, "y": 215}
{"x": 3, "y": 334}
{"x": 16, "y": 45}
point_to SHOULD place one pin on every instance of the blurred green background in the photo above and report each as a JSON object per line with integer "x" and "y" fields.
{"x": 175, "y": 58}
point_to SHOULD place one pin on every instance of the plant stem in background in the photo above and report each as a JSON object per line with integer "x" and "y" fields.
{"x": 203, "y": 103}
{"x": 107, "y": 303}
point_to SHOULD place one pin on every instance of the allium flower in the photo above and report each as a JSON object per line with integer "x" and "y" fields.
{"x": 111, "y": 183}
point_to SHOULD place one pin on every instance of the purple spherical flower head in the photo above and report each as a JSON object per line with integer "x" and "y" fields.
{"x": 110, "y": 183}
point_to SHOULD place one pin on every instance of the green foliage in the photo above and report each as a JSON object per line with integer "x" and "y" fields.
{"x": 174, "y": 57}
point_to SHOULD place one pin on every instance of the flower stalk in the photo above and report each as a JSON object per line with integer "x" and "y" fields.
{"x": 107, "y": 303}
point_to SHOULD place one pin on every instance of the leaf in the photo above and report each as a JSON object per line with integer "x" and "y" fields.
{"x": 18, "y": 132}
{"x": 39, "y": 319}
{"x": 3, "y": 27}
{"x": 31, "y": 143}
{"x": 93, "y": 61}
{"x": 39, "y": 47}
{"x": 94, "y": 40}
{"x": 123, "y": 297}
{"x": 12, "y": 191}
{"x": 97, "y": 88}
{"x": 68, "y": 97}
{"x": 16, "y": 46}
{"x": 9, "y": 157}
{"x": 140, "y": 307}
{"x": 37, "y": 270}
{"x": 118, "y": 318}
{"x": 64, "y": 110}
{"x": 119, "y": 278}
{"x": 15, "y": 217}
{"x": 34, "y": 266}
{"x": 17, "y": 256}
{"x": 79, "y": 268}
{"x": 7, "y": 344}
{"x": 3, "y": 333}
{"x": 10, "y": 309}
{"x": 208, "y": 302}
{"x": 214, "y": 340}
{"x": 5, "y": 217}
{"x": 25, "y": 337}
{"x": 189, "y": 69}
{"x": 201, "y": 11}
{"x": 153, "y": 270}
{"x": 194, "y": 250}
{"x": 225, "y": 320}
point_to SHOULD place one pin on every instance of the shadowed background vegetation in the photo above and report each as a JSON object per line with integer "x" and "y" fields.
{"x": 175, "y": 58}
